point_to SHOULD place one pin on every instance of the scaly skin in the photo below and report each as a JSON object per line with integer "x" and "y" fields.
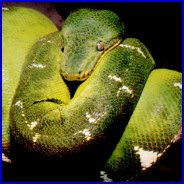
{"x": 153, "y": 127}
{"x": 18, "y": 38}
{"x": 47, "y": 121}
{"x": 42, "y": 97}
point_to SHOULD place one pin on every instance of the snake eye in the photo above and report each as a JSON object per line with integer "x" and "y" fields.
{"x": 62, "y": 45}
{"x": 100, "y": 46}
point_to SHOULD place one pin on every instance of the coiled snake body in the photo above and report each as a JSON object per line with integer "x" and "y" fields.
{"x": 118, "y": 81}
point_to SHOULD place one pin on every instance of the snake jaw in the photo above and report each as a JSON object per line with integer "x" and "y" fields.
{"x": 76, "y": 77}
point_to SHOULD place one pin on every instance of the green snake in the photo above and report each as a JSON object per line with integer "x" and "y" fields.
{"x": 124, "y": 110}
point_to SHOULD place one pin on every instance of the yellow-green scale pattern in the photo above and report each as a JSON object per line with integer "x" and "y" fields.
{"x": 45, "y": 119}
{"x": 153, "y": 127}
{"x": 18, "y": 37}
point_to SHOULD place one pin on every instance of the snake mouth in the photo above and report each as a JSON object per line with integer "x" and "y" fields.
{"x": 81, "y": 76}
{"x": 77, "y": 77}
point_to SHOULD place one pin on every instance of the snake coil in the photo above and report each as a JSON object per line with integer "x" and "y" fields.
{"x": 119, "y": 86}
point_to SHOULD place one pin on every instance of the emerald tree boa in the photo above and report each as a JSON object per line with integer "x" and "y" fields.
{"x": 124, "y": 115}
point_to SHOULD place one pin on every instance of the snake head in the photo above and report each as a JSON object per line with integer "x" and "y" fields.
{"x": 86, "y": 36}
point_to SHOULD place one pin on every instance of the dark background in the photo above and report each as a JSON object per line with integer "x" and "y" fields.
{"x": 158, "y": 26}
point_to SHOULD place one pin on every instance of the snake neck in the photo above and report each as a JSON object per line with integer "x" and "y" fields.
{"x": 104, "y": 54}
{"x": 108, "y": 50}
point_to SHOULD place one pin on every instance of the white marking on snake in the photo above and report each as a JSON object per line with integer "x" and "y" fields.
{"x": 95, "y": 117}
{"x": 133, "y": 48}
{"x": 33, "y": 125}
{"x": 86, "y": 133}
{"x": 178, "y": 136}
{"x": 35, "y": 138}
{"x": 126, "y": 89}
{"x": 105, "y": 177}
{"x": 4, "y": 8}
{"x": 88, "y": 116}
{"x": 19, "y": 104}
{"x": 168, "y": 146}
{"x": 158, "y": 109}
{"x": 123, "y": 87}
{"x": 5, "y": 158}
{"x": 23, "y": 114}
{"x": 147, "y": 158}
{"x": 117, "y": 79}
{"x": 178, "y": 85}
{"x": 34, "y": 65}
